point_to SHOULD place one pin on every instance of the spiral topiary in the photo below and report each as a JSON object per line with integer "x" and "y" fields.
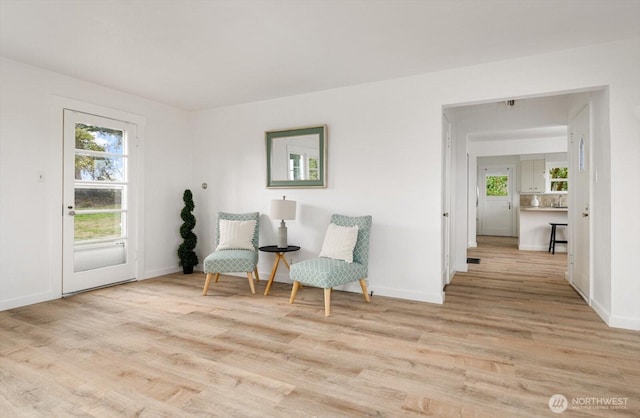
{"x": 186, "y": 253}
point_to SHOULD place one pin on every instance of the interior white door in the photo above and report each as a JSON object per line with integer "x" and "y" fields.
{"x": 579, "y": 191}
{"x": 496, "y": 205}
{"x": 446, "y": 200}
{"x": 98, "y": 219}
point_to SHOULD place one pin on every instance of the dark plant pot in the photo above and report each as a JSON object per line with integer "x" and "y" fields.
{"x": 187, "y": 269}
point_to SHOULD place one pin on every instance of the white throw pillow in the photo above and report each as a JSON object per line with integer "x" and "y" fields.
{"x": 339, "y": 242}
{"x": 236, "y": 235}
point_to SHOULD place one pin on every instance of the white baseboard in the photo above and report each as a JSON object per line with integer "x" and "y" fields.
{"x": 437, "y": 298}
{"x": 617, "y": 321}
{"x": 160, "y": 272}
{"x": 579, "y": 291}
{"x": 614, "y": 321}
{"x": 28, "y": 300}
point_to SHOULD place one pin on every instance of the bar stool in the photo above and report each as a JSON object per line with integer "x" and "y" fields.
{"x": 552, "y": 239}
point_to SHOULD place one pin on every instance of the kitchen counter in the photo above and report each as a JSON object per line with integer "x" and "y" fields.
{"x": 535, "y": 229}
{"x": 544, "y": 208}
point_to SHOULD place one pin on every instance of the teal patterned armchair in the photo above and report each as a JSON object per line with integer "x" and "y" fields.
{"x": 325, "y": 272}
{"x": 234, "y": 260}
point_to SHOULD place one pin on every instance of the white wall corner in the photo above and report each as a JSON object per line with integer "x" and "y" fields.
{"x": 601, "y": 311}
{"x": 615, "y": 321}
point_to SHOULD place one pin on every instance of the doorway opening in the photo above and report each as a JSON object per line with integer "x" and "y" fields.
{"x": 529, "y": 130}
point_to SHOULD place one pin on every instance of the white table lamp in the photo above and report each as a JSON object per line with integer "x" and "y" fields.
{"x": 283, "y": 210}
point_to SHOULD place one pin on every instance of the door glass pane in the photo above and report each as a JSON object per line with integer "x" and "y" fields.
{"x": 94, "y": 168}
{"x": 90, "y": 257}
{"x": 98, "y": 198}
{"x": 96, "y": 226}
{"x": 96, "y": 138}
{"x": 497, "y": 185}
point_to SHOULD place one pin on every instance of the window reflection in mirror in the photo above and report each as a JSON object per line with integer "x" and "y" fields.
{"x": 295, "y": 158}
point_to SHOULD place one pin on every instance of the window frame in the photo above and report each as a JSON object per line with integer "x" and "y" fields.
{"x": 548, "y": 181}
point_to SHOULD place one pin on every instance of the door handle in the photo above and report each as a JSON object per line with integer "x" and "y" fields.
{"x": 509, "y": 205}
{"x": 72, "y": 212}
{"x": 446, "y": 214}
{"x": 585, "y": 214}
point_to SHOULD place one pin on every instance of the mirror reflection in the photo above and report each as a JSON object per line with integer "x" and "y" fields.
{"x": 296, "y": 158}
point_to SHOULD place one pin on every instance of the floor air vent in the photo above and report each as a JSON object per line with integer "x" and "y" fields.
{"x": 473, "y": 260}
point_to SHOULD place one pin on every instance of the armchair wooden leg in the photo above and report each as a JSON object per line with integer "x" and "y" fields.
{"x": 327, "y": 301}
{"x": 250, "y": 277}
{"x": 363, "y": 285}
{"x": 256, "y": 274}
{"x": 294, "y": 291}
{"x": 207, "y": 282}
{"x": 217, "y": 278}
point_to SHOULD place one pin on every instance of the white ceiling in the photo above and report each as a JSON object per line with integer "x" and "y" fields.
{"x": 199, "y": 54}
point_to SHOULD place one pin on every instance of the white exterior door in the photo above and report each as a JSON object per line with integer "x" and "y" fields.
{"x": 495, "y": 201}
{"x": 98, "y": 215}
{"x": 579, "y": 192}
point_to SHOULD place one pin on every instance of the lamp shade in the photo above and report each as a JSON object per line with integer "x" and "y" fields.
{"x": 283, "y": 209}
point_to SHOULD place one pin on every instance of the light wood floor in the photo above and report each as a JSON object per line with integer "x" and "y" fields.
{"x": 511, "y": 333}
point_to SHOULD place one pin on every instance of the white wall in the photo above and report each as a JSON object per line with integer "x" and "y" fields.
{"x": 601, "y": 203}
{"x": 30, "y": 211}
{"x": 377, "y": 162}
{"x": 624, "y": 106}
{"x": 384, "y": 160}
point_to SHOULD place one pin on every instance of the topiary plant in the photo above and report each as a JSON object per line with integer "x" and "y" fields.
{"x": 186, "y": 253}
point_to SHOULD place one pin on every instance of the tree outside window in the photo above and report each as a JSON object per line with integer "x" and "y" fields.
{"x": 558, "y": 179}
{"x": 497, "y": 185}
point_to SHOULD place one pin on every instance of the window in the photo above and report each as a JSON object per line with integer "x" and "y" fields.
{"x": 497, "y": 185}
{"x": 557, "y": 177}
